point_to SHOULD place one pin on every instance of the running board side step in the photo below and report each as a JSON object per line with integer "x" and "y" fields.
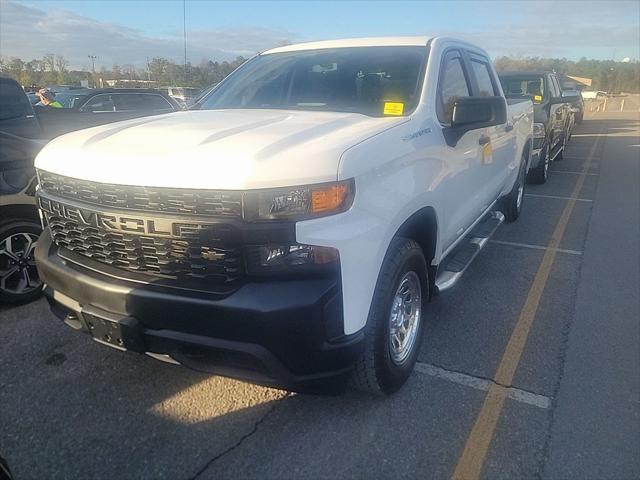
{"x": 459, "y": 260}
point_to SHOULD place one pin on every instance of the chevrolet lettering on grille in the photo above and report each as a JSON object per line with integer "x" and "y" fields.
{"x": 127, "y": 223}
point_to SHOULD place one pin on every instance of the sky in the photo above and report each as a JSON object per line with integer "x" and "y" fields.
{"x": 130, "y": 31}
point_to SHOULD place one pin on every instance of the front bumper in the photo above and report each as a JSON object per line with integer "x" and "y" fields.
{"x": 277, "y": 332}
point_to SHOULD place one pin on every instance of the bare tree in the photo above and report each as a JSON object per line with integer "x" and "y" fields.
{"x": 49, "y": 62}
{"x": 61, "y": 63}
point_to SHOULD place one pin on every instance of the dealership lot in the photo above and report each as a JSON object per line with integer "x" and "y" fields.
{"x": 72, "y": 408}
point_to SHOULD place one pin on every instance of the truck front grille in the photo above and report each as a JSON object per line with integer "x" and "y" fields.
{"x": 210, "y": 252}
{"x": 214, "y": 203}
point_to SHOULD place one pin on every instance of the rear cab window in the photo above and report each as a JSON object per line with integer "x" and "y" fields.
{"x": 485, "y": 82}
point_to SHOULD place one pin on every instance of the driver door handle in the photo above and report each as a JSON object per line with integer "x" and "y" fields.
{"x": 484, "y": 139}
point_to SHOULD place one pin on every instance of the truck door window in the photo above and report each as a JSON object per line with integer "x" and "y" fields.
{"x": 99, "y": 103}
{"x": 140, "y": 102}
{"x": 452, "y": 85}
{"x": 483, "y": 79}
{"x": 555, "y": 88}
{"x": 528, "y": 86}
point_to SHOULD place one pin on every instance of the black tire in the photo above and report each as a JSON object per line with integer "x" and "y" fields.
{"x": 511, "y": 205}
{"x": 579, "y": 118}
{"x": 540, "y": 173}
{"x": 376, "y": 371}
{"x": 13, "y": 231}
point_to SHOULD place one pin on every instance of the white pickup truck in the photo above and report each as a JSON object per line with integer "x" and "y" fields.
{"x": 294, "y": 225}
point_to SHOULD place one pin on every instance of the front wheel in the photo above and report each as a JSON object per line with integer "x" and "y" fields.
{"x": 512, "y": 203}
{"x": 19, "y": 281}
{"x": 540, "y": 173}
{"x": 393, "y": 333}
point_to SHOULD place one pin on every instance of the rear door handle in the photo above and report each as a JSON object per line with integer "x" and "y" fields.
{"x": 484, "y": 139}
{"x": 509, "y": 127}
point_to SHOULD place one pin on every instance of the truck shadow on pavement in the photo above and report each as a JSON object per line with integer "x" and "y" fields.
{"x": 74, "y": 409}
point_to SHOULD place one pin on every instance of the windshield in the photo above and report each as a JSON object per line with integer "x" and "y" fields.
{"x": 530, "y": 86}
{"x": 373, "y": 81}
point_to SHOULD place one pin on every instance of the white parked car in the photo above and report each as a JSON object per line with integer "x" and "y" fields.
{"x": 295, "y": 227}
{"x": 593, "y": 95}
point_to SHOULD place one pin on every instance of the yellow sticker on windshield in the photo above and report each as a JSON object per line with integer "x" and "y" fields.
{"x": 393, "y": 108}
{"x": 537, "y": 98}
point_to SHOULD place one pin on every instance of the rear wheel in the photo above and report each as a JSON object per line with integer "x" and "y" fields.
{"x": 393, "y": 333}
{"x": 19, "y": 280}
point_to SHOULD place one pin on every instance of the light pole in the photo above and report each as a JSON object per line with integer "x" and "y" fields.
{"x": 184, "y": 32}
{"x": 93, "y": 68}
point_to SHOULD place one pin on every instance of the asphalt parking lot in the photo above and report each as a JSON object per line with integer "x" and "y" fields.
{"x": 552, "y": 301}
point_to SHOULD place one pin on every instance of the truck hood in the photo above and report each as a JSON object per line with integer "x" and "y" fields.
{"x": 216, "y": 149}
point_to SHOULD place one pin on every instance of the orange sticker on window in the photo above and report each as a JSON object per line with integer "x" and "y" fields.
{"x": 393, "y": 108}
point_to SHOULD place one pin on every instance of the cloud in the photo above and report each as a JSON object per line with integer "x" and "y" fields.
{"x": 28, "y": 32}
{"x": 557, "y": 29}
{"x": 547, "y": 29}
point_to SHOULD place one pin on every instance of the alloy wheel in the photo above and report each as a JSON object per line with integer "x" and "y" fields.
{"x": 405, "y": 317}
{"x": 18, "y": 274}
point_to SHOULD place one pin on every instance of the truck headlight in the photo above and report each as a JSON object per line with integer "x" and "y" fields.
{"x": 538, "y": 130}
{"x": 296, "y": 258}
{"x": 299, "y": 203}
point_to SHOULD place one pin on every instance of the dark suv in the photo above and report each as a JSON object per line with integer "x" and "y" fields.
{"x": 552, "y": 116}
{"x": 24, "y": 130}
{"x": 20, "y": 141}
{"x": 92, "y": 107}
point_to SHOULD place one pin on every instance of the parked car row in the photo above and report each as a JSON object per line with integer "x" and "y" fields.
{"x": 292, "y": 226}
{"x": 88, "y": 108}
{"x": 24, "y": 130}
{"x": 555, "y": 114}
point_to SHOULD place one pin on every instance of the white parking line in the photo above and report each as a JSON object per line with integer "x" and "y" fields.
{"x": 557, "y": 197}
{"x": 536, "y": 247}
{"x": 573, "y": 157}
{"x": 516, "y": 394}
{"x": 574, "y": 173}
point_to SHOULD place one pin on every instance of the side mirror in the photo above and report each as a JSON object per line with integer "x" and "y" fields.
{"x": 569, "y": 96}
{"x": 471, "y": 113}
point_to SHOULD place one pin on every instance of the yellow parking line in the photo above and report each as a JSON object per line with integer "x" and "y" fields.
{"x": 469, "y": 466}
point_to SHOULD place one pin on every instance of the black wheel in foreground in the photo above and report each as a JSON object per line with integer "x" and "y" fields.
{"x": 19, "y": 281}
{"x": 540, "y": 173}
{"x": 511, "y": 205}
{"x": 393, "y": 333}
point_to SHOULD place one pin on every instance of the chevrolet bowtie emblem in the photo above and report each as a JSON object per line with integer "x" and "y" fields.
{"x": 212, "y": 255}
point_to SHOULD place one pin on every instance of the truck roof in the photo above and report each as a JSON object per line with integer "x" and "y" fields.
{"x": 353, "y": 42}
{"x": 524, "y": 73}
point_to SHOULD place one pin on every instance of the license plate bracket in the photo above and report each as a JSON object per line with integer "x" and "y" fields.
{"x": 122, "y": 333}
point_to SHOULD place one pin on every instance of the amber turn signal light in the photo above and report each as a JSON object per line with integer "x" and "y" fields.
{"x": 329, "y": 198}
